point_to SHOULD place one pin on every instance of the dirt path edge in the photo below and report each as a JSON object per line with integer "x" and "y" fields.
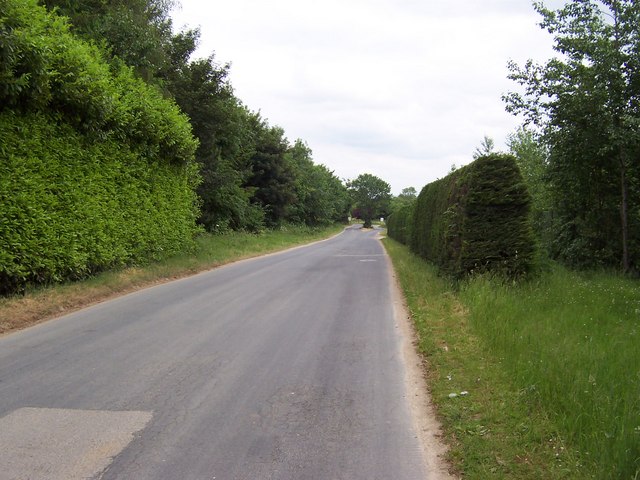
{"x": 423, "y": 413}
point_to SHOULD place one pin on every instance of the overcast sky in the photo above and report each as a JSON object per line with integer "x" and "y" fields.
{"x": 401, "y": 89}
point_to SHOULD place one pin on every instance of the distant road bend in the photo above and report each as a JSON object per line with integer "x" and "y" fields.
{"x": 288, "y": 366}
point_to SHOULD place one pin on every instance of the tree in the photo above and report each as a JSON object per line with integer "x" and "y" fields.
{"x": 321, "y": 197}
{"x": 588, "y": 103}
{"x": 485, "y": 148}
{"x": 225, "y": 129}
{"x": 272, "y": 177}
{"x": 407, "y": 197}
{"x": 532, "y": 159}
{"x": 370, "y": 195}
{"x": 409, "y": 193}
{"x": 251, "y": 176}
{"x": 138, "y": 32}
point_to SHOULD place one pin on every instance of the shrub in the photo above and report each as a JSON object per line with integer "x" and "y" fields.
{"x": 45, "y": 68}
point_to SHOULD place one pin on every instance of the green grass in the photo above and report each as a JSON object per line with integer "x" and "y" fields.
{"x": 41, "y": 303}
{"x": 500, "y": 429}
{"x": 572, "y": 342}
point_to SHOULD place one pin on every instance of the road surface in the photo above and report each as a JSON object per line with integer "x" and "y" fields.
{"x": 283, "y": 367}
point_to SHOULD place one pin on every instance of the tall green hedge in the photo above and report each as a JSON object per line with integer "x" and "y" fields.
{"x": 69, "y": 207}
{"x": 476, "y": 220}
{"x": 96, "y": 168}
{"x": 399, "y": 224}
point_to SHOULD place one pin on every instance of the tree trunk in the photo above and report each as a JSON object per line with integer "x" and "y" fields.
{"x": 624, "y": 216}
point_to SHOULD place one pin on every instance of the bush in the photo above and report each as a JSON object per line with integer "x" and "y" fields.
{"x": 476, "y": 220}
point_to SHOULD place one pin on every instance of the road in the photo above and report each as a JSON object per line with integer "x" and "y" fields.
{"x": 283, "y": 367}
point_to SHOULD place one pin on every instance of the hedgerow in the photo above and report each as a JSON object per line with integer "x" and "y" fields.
{"x": 399, "y": 224}
{"x": 72, "y": 207}
{"x": 476, "y": 220}
{"x": 96, "y": 167}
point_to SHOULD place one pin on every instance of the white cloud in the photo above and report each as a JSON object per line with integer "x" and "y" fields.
{"x": 398, "y": 88}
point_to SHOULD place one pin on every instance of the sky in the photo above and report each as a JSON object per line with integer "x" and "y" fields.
{"x": 401, "y": 89}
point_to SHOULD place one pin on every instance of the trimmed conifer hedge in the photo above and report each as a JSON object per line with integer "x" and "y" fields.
{"x": 476, "y": 220}
{"x": 399, "y": 224}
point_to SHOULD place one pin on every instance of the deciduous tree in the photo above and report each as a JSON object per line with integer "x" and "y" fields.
{"x": 406, "y": 198}
{"x": 531, "y": 156}
{"x": 588, "y": 102}
{"x": 371, "y": 196}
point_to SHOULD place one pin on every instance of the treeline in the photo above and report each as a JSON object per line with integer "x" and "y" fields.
{"x": 115, "y": 145}
{"x": 474, "y": 220}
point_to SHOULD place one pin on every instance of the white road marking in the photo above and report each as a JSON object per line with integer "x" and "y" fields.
{"x": 60, "y": 444}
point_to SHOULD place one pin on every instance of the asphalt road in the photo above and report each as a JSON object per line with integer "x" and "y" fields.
{"x": 282, "y": 367}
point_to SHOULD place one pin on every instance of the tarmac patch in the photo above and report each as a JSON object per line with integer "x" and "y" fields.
{"x": 61, "y": 444}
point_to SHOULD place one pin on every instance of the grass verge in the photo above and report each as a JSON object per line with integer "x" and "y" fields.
{"x": 571, "y": 342}
{"x": 43, "y": 303}
{"x": 494, "y": 429}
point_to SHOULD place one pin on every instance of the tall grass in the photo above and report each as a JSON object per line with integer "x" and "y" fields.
{"x": 571, "y": 343}
{"x": 552, "y": 370}
{"x": 491, "y": 432}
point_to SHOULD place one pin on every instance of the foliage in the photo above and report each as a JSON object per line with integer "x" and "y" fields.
{"x": 72, "y": 206}
{"x": 485, "y": 148}
{"x": 272, "y": 176}
{"x": 587, "y": 101}
{"x": 476, "y": 220}
{"x": 321, "y": 197}
{"x": 249, "y": 176}
{"x": 532, "y": 159}
{"x": 371, "y": 196}
{"x": 408, "y": 196}
{"x": 47, "y": 69}
{"x": 400, "y": 220}
{"x": 138, "y": 32}
{"x": 225, "y": 129}
{"x": 96, "y": 165}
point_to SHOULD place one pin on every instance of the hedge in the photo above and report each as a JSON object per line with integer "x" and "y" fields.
{"x": 476, "y": 220}
{"x": 399, "y": 224}
{"x": 96, "y": 167}
{"x": 70, "y": 208}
